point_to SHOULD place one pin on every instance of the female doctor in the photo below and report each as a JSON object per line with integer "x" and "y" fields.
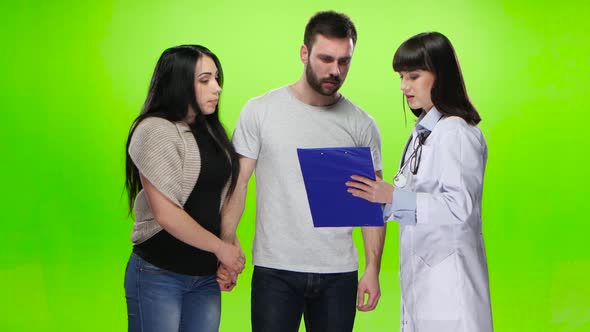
{"x": 436, "y": 195}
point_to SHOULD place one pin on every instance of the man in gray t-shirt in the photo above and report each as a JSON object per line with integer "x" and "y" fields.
{"x": 300, "y": 269}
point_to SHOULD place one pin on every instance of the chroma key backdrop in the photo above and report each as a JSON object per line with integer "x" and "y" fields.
{"x": 75, "y": 75}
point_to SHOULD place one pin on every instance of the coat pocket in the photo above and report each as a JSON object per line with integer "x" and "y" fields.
{"x": 433, "y": 246}
{"x": 436, "y": 290}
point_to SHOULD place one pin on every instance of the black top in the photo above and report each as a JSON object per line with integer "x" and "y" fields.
{"x": 166, "y": 251}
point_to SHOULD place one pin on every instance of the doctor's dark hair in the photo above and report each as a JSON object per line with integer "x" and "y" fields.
{"x": 432, "y": 51}
{"x": 329, "y": 24}
{"x": 171, "y": 92}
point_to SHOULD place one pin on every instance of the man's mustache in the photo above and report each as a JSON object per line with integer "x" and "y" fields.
{"x": 332, "y": 79}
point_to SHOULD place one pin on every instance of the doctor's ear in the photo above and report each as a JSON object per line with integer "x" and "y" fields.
{"x": 303, "y": 54}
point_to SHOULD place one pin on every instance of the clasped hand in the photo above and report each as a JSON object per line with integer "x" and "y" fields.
{"x": 232, "y": 262}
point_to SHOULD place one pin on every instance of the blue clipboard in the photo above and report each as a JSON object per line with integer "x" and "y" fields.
{"x": 325, "y": 172}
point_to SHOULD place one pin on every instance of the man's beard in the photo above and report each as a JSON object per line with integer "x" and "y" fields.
{"x": 316, "y": 83}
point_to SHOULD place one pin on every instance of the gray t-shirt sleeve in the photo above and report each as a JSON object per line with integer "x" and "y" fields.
{"x": 372, "y": 138}
{"x": 246, "y": 137}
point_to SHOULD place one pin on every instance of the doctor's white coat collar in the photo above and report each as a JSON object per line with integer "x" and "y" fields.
{"x": 428, "y": 120}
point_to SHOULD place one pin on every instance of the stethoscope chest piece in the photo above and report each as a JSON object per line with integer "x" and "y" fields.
{"x": 400, "y": 180}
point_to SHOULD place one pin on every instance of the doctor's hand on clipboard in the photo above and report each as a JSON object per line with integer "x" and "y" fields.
{"x": 375, "y": 191}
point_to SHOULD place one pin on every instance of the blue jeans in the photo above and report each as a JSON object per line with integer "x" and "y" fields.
{"x": 162, "y": 301}
{"x": 327, "y": 301}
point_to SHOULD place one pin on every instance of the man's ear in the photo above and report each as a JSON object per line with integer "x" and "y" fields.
{"x": 303, "y": 54}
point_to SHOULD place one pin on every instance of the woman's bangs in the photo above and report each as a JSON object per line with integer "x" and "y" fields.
{"x": 409, "y": 57}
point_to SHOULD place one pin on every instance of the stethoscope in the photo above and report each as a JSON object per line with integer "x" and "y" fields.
{"x": 400, "y": 179}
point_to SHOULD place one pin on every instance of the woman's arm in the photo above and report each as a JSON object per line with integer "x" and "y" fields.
{"x": 179, "y": 224}
{"x": 461, "y": 157}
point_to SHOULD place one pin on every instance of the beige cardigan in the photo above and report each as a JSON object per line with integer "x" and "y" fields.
{"x": 166, "y": 153}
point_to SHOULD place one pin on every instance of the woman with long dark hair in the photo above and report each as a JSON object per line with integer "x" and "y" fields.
{"x": 436, "y": 195}
{"x": 180, "y": 166}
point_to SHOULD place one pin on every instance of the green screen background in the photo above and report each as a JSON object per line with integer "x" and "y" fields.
{"x": 75, "y": 76}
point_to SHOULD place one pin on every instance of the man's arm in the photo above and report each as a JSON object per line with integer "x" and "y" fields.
{"x": 234, "y": 205}
{"x": 230, "y": 218}
{"x": 373, "y": 239}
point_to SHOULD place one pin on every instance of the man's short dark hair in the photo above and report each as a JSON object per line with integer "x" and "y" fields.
{"x": 329, "y": 24}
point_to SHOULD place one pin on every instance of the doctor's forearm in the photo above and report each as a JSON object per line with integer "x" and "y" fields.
{"x": 449, "y": 208}
{"x": 403, "y": 207}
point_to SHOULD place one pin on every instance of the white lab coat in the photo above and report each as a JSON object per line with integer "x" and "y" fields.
{"x": 443, "y": 269}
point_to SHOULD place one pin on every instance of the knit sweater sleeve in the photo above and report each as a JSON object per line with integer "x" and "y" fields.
{"x": 157, "y": 150}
